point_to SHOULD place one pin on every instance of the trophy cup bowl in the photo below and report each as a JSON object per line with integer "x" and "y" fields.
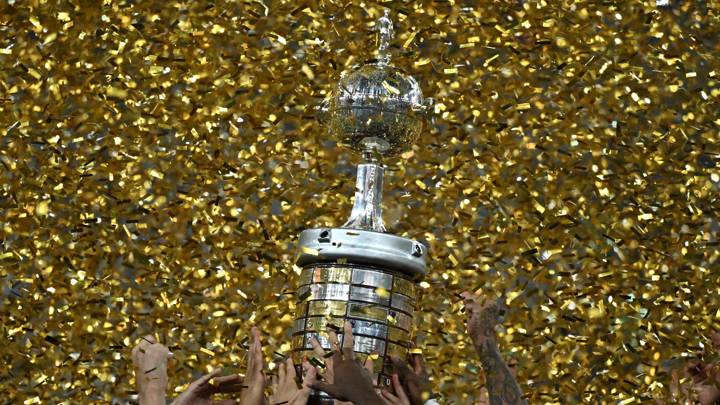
{"x": 377, "y": 108}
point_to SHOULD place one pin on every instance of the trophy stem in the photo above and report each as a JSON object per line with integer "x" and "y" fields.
{"x": 367, "y": 212}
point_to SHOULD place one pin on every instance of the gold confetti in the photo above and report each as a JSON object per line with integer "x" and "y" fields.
{"x": 571, "y": 170}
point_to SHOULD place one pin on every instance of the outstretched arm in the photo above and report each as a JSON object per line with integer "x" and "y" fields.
{"x": 150, "y": 359}
{"x": 500, "y": 383}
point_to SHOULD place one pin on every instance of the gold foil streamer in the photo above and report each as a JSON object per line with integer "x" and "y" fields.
{"x": 158, "y": 160}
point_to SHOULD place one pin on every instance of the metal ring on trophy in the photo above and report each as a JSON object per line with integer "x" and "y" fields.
{"x": 399, "y": 320}
{"x": 368, "y": 311}
{"x": 367, "y": 345}
{"x": 397, "y": 335}
{"x": 365, "y": 294}
{"x": 329, "y": 292}
{"x": 323, "y": 339}
{"x": 331, "y": 274}
{"x": 403, "y": 286}
{"x": 322, "y": 324}
{"x": 360, "y": 247}
{"x": 394, "y": 349}
{"x": 326, "y": 308}
{"x": 298, "y": 326}
{"x": 369, "y": 328}
{"x": 372, "y": 278}
{"x": 403, "y": 303}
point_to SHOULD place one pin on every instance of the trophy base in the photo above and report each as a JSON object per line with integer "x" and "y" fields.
{"x": 365, "y": 278}
{"x": 320, "y": 400}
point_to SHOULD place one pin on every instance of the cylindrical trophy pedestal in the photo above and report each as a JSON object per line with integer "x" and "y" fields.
{"x": 364, "y": 277}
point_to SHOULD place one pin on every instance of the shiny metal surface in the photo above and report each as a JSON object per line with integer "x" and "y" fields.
{"x": 368, "y": 294}
{"x": 379, "y": 250}
{"x": 366, "y": 297}
{"x": 376, "y": 107}
{"x": 367, "y": 210}
{"x": 359, "y": 273}
{"x": 372, "y": 278}
{"x": 401, "y": 302}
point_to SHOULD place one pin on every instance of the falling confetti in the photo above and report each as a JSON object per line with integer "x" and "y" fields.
{"x": 159, "y": 159}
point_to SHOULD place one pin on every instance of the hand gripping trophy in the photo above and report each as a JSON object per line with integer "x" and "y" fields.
{"x": 358, "y": 272}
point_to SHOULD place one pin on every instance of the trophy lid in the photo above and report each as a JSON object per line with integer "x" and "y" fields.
{"x": 377, "y": 107}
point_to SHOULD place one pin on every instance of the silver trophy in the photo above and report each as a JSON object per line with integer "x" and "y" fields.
{"x": 358, "y": 272}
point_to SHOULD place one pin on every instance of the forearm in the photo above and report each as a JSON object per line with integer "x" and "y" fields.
{"x": 152, "y": 395}
{"x": 500, "y": 383}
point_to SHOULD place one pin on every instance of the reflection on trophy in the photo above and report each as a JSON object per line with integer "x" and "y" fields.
{"x": 358, "y": 272}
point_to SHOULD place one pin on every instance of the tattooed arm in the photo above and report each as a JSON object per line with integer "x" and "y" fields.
{"x": 500, "y": 383}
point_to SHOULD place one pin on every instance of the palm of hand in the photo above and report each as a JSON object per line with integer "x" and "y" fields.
{"x": 416, "y": 381}
{"x": 482, "y": 317}
{"x": 351, "y": 380}
{"x": 253, "y": 394}
{"x": 329, "y": 375}
{"x": 285, "y": 389}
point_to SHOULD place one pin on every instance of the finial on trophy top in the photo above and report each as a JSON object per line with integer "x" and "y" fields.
{"x": 384, "y": 26}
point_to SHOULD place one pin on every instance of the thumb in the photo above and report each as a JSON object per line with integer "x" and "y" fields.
{"x": 330, "y": 389}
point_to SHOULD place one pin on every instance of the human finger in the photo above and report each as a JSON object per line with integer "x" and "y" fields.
{"x": 228, "y": 379}
{"x": 309, "y": 375}
{"x": 400, "y": 367}
{"x": 470, "y": 298}
{"x": 250, "y": 357}
{"x": 348, "y": 341}
{"x": 257, "y": 351}
{"x": 399, "y": 391}
{"x": 416, "y": 360}
{"x": 275, "y": 384}
{"x": 334, "y": 342}
{"x": 290, "y": 372}
{"x": 282, "y": 373}
{"x": 370, "y": 362}
{"x": 206, "y": 378}
{"x": 390, "y": 398}
{"x": 141, "y": 346}
{"x": 317, "y": 349}
{"x": 337, "y": 355}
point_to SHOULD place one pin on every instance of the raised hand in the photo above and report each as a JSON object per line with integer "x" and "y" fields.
{"x": 150, "y": 359}
{"x": 415, "y": 380}
{"x": 328, "y": 376}
{"x": 285, "y": 388}
{"x": 398, "y": 396}
{"x": 254, "y": 384}
{"x": 351, "y": 381}
{"x": 200, "y": 392}
{"x": 482, "y": 318}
